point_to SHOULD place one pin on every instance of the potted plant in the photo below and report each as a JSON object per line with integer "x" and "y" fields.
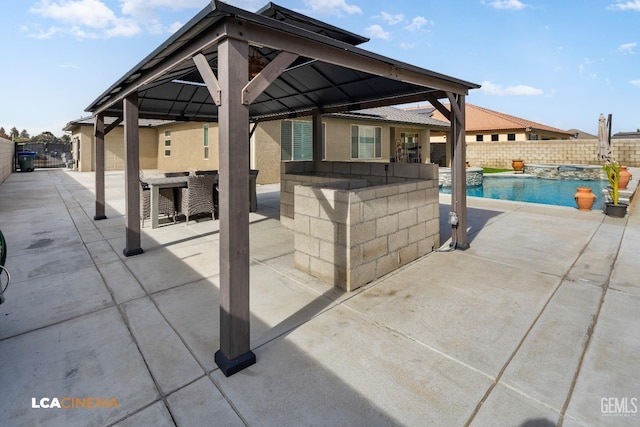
{"x": 614, "y": 207}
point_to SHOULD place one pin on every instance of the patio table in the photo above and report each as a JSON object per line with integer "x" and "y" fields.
{"x": 155, "y": 184}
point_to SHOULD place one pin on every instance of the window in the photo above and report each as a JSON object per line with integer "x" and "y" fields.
{"x": 494, "y": 137}
{"x": 511, "y": 137}
{"x": 366, "y": 142}
{"x": 479, "y": 138}
{"x": 167, "y": 143}
{"x": 296, "y": 140}
{"x": 205, "y": 141}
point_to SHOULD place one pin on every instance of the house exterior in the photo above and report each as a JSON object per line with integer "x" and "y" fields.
{"x": 483, "y": 124}
{"x": 384, "y": 134}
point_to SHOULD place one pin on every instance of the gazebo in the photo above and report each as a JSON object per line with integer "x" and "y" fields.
{"x": 238, "y": 68}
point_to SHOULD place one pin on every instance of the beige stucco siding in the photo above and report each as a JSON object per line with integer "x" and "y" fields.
{"x": 187, "y": 147}
{"x": 265, "y": 154}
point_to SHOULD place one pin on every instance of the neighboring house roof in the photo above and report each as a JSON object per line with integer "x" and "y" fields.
{"x": 392, "y": 114}
{"x": 578, "y": 134}
{"x": 626, "y": 135}
{"x": 88, "y": 121}
{"x": 479, "y": 119}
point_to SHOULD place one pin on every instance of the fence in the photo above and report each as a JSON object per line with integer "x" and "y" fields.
{"x": 6, "y": 154}
{"x": 48, "y": 155}
{"x": 575, "y": 151}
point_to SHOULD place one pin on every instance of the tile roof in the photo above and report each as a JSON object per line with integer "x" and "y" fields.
{"x": 392, "y": 114}
{"x": 480, "y": 119}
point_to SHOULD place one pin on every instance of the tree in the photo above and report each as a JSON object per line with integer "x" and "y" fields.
{"x": 14, "y": 133}
{"x": 66, "y": 139}
{"x": 24, "y": 134}
{"x": 2, "y": 130}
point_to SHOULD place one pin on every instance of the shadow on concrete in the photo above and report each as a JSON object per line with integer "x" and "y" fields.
{"x": 476, "y": 220}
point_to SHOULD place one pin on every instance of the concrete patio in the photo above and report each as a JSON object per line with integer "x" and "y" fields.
{"x": 536, "y": 324}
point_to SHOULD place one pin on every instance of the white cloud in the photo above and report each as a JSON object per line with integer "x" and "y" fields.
{"x": 417, "y": 23}
{"x": 627, "y": 48}
{"x": 392, "y": 19}
{"x": 332, "y": 7}
{"x": 636, "y": 82}
{"x": 626, "y": 5}
{"x": 407, "y": 46}
{"x": 518, "y": 90}
{"x": 146, "y": 8}
{"x": 507, "y": 4}
{"x": 82, "y": 19}
{"x": 375, "y": 31}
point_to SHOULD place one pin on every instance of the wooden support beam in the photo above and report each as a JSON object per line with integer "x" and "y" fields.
{"x": 233, "y": 136}
{"x": 98, "y": 136}
{"x": 132, "y": 175}
{"x": 317, "y": 136}
{"x": 208, "y": 77}
{"x": 113, "y": 125}
{"x": 458, "y": 172}
{"x": 268, "y": 75}
{"x": 438, "y": 106}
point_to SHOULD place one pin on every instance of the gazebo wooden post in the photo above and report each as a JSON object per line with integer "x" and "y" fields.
{"x": 99, "y": 135}
{"x": 459, "y": 170}
{"x": 233, "y": 125}
{"x": 317, "y": 137}
{"x": 132, "y": 175}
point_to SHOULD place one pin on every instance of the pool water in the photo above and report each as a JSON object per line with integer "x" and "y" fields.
{"x": 558, "y": 192}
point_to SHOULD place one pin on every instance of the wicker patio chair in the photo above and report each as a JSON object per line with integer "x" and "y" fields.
{"x": 197, "y": 198}
{"x": 166, "y": 204}
{"x": 176, "y": 191}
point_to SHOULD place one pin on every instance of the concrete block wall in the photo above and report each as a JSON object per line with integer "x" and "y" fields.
{"x": 7, "y": 148}
{"x": 499, "y": 154}
{"x": 349, "y": 234}
{"x": 304, "y": 173}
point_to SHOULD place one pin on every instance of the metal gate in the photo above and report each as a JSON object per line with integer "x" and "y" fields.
{"x": 48, "y": 154}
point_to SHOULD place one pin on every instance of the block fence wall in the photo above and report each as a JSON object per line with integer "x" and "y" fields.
{"x": 7, "y": 149}
{"x": 575, "y": 151}
{"x": 349, "y": 234}
{"x": 304, "y": 173}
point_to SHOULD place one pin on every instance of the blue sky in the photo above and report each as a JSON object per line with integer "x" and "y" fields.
{"x": 561, "y": 63}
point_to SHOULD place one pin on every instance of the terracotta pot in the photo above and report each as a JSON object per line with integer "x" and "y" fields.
{"x": 625, "y": 176}
{"x": 517, "y": 165}
{"x": 584, "y": 198}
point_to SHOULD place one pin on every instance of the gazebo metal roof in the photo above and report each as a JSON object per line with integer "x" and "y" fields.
{"x": 330, "y": 73}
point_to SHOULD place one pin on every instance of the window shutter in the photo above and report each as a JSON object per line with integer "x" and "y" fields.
{"x": 302, "y": 141}
{"x": 378, "y": 143}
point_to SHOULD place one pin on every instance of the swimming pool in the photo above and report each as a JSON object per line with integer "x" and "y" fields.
{"x": 558, "y": 192}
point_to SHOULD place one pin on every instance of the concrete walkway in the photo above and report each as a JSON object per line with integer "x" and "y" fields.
{"x": 536, "y": 324}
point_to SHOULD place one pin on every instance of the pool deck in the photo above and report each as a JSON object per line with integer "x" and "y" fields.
{"x": 536, "y": 324}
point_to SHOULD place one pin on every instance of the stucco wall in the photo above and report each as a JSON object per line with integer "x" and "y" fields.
{"x": 7, "y": 148}
{"x": 265, "y": 154}
{"x": 113, "y": 148}
{"x": 187, "y": 147}
{"x": 577, "y": 151}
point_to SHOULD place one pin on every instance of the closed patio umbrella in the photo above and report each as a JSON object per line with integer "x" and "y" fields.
{"x": 604, "y": 138}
